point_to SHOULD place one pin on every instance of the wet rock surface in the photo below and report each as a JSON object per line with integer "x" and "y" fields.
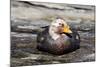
{"x": 27, "y": 18}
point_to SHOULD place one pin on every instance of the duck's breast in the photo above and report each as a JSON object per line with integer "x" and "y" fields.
{"x": 57, "y": 46}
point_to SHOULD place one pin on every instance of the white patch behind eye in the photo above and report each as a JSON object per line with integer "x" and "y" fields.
{"x": 58, "y": 22}
{"x": 61, "y": 21}
{"x": 54, "y": 24}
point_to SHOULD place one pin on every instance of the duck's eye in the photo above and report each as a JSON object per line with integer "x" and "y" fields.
{"x": 61, "y": 24}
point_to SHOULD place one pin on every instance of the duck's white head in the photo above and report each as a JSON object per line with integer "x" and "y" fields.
{"x": 57, "y": 27}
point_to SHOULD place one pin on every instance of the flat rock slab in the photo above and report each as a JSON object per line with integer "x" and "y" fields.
{"x": 26, "y": 51}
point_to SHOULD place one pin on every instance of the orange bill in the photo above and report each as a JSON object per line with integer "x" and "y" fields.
{"x": 66, "y": 29}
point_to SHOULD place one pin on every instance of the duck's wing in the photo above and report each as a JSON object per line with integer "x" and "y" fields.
{"x": 41, "y": 36}
{"x": 75, "y": 35}
{"x": 75, "y": 40}
{"x": 42, "y": 43}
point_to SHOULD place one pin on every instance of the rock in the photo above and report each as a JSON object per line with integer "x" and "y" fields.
{"x": 32, "y": 57}
{"x": 37, "y": 11}
{"x": 52, "y": 6}
{"x": 23, "y": 40}
{"x": 55, "y": 62}
{"x": 19, "y": 53}
{"x": 90, "y": 57}
{"x": 19, "y": 25}
{"x": 21, "y": 62}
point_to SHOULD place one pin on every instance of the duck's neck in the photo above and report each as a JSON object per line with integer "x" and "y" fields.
{"x": 54, "y": 35}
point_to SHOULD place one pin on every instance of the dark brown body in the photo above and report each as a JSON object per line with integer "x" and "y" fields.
{"x": 66, "y": 43}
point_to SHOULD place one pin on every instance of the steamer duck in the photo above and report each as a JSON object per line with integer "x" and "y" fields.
{"x": 58, "y": 38}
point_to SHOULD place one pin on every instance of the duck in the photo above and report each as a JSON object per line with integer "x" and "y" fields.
{"x": 58, "y": 38}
